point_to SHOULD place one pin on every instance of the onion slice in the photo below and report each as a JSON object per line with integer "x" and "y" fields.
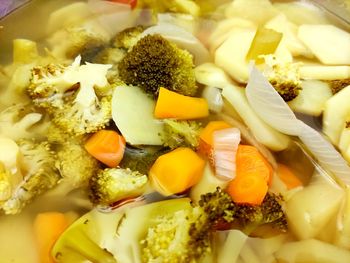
{"x": 267, "y": 103}
{"x": 225, "y": 148}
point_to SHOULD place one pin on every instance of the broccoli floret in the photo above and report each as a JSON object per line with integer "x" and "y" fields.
{"x": 154, "y": 62}
{"x": 81, "y": 111}
{"x": 141, "y": 159}
{"x": 179, "y": 237}
{"x": 127, "y": 38}
{"x": 181, "y": 133}
{"x": 223, "y": 212}
{"x": 78, "y": 39}
{"x": 284, "y": 77}
{"x": 40, "y": 175}
{"x": 339, "y": 84}
{"x": 114, "y": 184}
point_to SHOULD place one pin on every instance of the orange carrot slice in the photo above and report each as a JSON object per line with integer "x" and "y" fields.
{"x": 106, "y": 146}
{"x": 174, "y": 105}
{"x": 250, "y": 160}
{"x": 48, "y": 227}
{"x": 248, "y": 189}
{"x": 288, "y": 177}
{"x": 206, "y": 134}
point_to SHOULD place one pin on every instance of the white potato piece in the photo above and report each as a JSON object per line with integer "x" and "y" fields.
{"x": 211, "y": 75}
{"x": 312, "y": 250}
{"x": 229, "y": 251}
{"x": 224, "y": 29}
{"x": 342, "y": 236}
{"x": 344, "y": 143}
{"x": 301, "y": 12}
{"x": 263, "y": 133}
{"x": 322, "y": 72}
{"x": 307, "y": 219}
{"x": 231, "y": 55}
{"x": 336, "y": 113}
{"x": 208, "y": 183}
{"x": 330, "y": 44}
{"x": 132, "y": 112}
{"x": 289, "y": 30}
{"x": 257, "y": 11}
{"x": 312, "y": 98}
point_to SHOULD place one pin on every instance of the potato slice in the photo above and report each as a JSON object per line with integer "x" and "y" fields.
{"x": 132, "y": 112}
{"x": 281, "y": 24}
{"x": 263, "y": 132}
{"x": 231, "y": 55}
{"x": 344, "y": 143}
{"x": 330, "y": 44}
{"x": 257, "y": 11}
{"x": 312, "y": 250}
{"x": 307, "y": 219}
{"x": 336, "y": 113}
{"x": 321, "y": 72}
{"x": 312, "y": 98}
{"x": 301, "y": 13}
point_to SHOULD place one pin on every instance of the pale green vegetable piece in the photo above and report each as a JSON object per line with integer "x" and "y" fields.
{"x": 336, "y": 113}
{"x": 312, "y": 250}
{"x": 263, "y": 132}
{"x": 132, "y": 112}
{"x": 328, "y": 43}
{"x": 305, "y": 218}
{"x": 211, "y": 75}
{"x": 322, "y": 72}
{"x": 312, "y": 98}
{"x": 24, "y": 51}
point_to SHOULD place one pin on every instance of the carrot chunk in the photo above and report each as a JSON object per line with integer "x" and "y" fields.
{"x": 176, "y": 171}
{"x": 288, "y": 177}
{"x": 106, "y": 146}
{"x": 174, "y": 105}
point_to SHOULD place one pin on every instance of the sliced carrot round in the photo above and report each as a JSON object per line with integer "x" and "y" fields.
{"x": 248, "y": 189}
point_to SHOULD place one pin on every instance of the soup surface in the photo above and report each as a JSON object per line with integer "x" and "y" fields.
{"x": 174, "y": 131}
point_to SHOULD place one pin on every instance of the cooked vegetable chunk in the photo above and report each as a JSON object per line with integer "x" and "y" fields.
{"x": 154, "y": 62}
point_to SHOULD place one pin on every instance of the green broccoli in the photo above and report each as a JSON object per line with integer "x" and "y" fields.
{"x": 339, "y": 84}
{"x": 284, "y": 77}
{"x": 127, "y": 38}
{"x": 223, "y": 212}
{"x": 180, "y": 237}
{"x": 181, "y": 133}
{"x": 114, "y": 184}
{"x": 154, "y": 62}
{"x": 141, "y": 159}
{"x": 40, "y": 175}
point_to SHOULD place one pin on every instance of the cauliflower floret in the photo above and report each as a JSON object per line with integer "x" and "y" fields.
{"x": 114, "y": 184}
{"x": 22, "y": 122}
{"x": 39, "y": 175}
